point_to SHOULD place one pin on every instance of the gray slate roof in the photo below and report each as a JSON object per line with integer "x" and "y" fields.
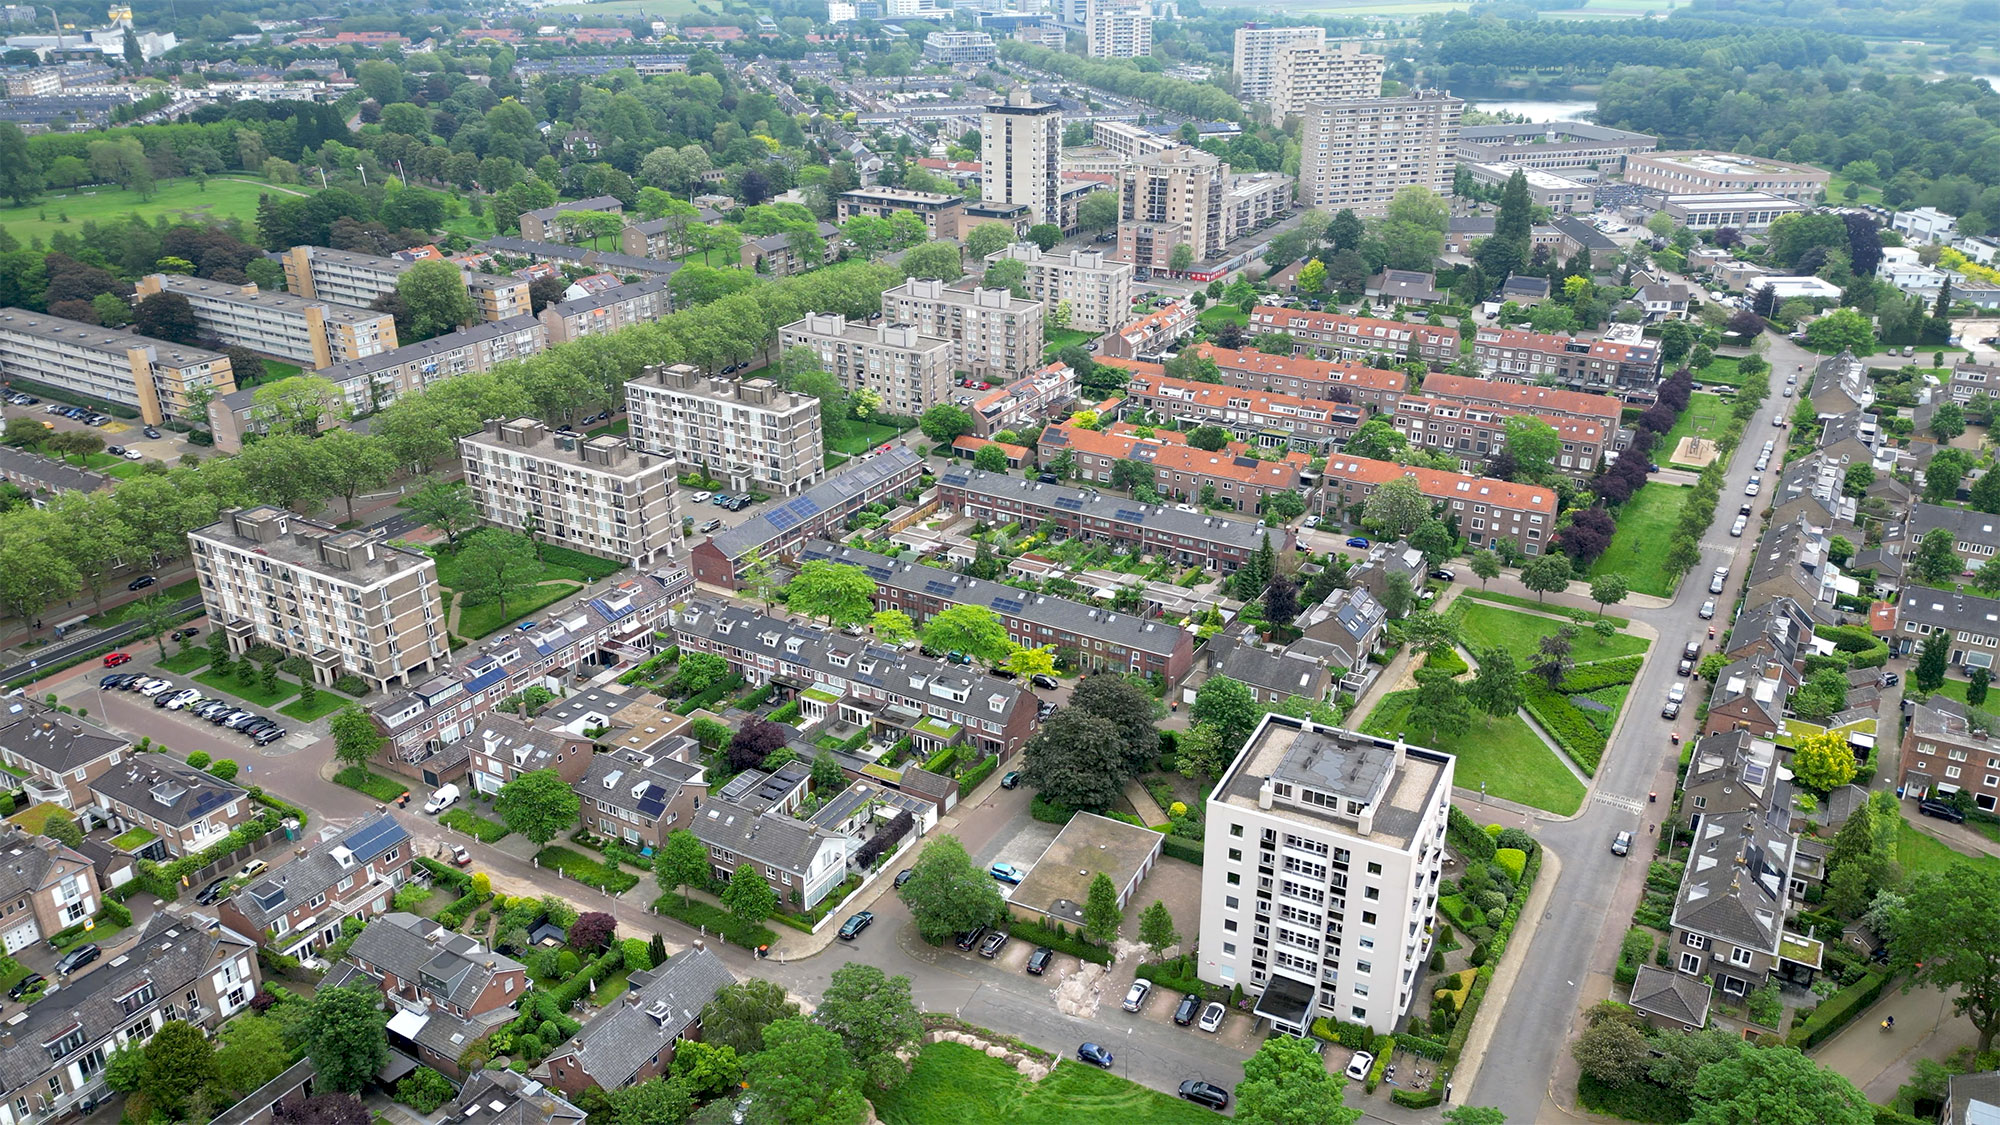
{"x": 32, "y": 471}
{"x": 52, "y": 739}
{"x": 29, "y": 863}
{"x": 1965, "y": 524}
{"x": 1112, "y": 508}
{"x": 1735, "y": 886}
{"x": 600, "y": 259}
{"x": 1782, "y": 621}
{"x": 639, "y": 785}
{"x": 167, "y": 790}
{"x": 454, "y": 968}
{"x": 612, "y": 296}
{"x": 1292, "y": 673}
{"x": 503, "y": 1097}
{"x": 1949, "y": 609}
{"x": 316, "y": 872}
{"x": 1671, "y": 995}
{"x": 662, "y": 1003}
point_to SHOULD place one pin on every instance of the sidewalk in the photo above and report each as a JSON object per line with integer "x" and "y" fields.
{"x": 1504, "y": 977}
{"x": 1879, "y": 1061}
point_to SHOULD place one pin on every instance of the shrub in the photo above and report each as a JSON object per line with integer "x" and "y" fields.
{"x": 424, "y": 1090}
{"x": 1381, "y": 1062}
{"x": 718, "y": 921}
{"x": 1183, "y": 850}
{"x": 198, "y": 760}
{"x": 1635, "y": 1101}
{"x": 1564, "y": 722}
{"x": 224, "y": 769}
{"x": 1838, "y": 1009}
{"x": 1416, "y": 1099}
{"x": 788, "y": 714}
{"x": 970, "y": 779}
{"x": 1466, "y": 836}
{"x": 115, "y": 913}
{"x": 638, "y": 955}
{"x": 1602, "y": 674}
{"x": 1512, "y": 861}
{"x": 1060, "y": 940}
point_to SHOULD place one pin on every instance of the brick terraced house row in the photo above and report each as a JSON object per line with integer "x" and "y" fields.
{"x": 1266, "y": 420}
{"x": 1577, "y": 361}
{"x": 1475, "y": 432}
{"x": 1179, "y": 471}
{"x": 1337, "y": 335}
{"x": 1306, "y": 377}
{"x": 1483, "y": 510}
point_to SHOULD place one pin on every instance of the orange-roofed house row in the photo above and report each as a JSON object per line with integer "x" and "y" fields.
{"x": 1359, "y": 337}
{"x": 1474, "y": 432}
{"x": 1265, "y": 420}
{"x": 1483, "y": 510}
{"x": 1179, "y": 471}
{"x": 1307, "y": 377}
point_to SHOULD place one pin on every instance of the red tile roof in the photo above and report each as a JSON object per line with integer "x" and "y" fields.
{"x": 1522, "y": 396}
{"x": 1428, "y": 335}
{"x": 1444, "y": 486}
{"x": 975, "y": 444}
{"x": 1302, "y": 367}
{"x": 1570, "y": 429}
{"x": 1261, "y": 402}
{"x": 1225, "y": 464}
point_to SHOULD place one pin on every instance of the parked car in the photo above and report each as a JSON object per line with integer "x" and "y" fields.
{"x": 1012, "y": 779}
{"x": 1736, "y": 529}
{"x": 1094, "y": 1055}
{"x": 151, "y": 432}
{"x": 700, "y": 497}
{"x": 1211, "y": 1016}
{"x": 254, "y": 867}
{"x": 134, "y": 455}
{"x": 1687, "y": 667}
{"x": 1039, "y": 960}
{"x": 269, "y": 735}
{"x": 995, "y": 941}
{"x": 1358, "y": 541}
{"x": 211, "y": 893}
{"x": 114, "y": 659}
{"x": 141, "y": 582}
{"x": 1708, "y": 609}
{"x": 1135, "y": 997}
{"x": 1444, "y": 574}
{"x": 190, "y": 631}
{"x": 903, "y": 876}
{"x": 156, "y": 688}
{"x": 851, "y": 929}
{"x": 1358, "y": 1066}
{"x": 1187, "y": 1009}
{"x": 179, "y": 699}
{"x": 1755, "y": 486}
{"x": 444, "y": 798}
{"x": 1943, "y": 810}
{"x": 1045, "y": 681}
{"x": 1205, "y": 1093}
{"x": 1677, "y": 693}
{"x": 710, "y": 527}
{"x": 1891, "y": 679}
{"x": 77, "y": 958}
{"x": 1670, "y": 710}
{"x": 1621, "y": 844}
{"x": 1008, "y": 873}
{"x": 969, "y": 940}
{"x": 1720, "y": 580}
{"x": 115, "y": 450}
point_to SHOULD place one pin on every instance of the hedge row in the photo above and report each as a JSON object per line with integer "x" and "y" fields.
{"x": 445, "y": 874}
{"x": 1468, "y": 1013}
{"x": 715, "y": 919}
{"x": 941, "y": 761}
{"x": 1381, "y": 1062}
{"x": 970, "y": 779}
{"x": 1635, "y": 1101}
{"x": 1577, "y": 736}
{"x": 1602, "y": 674}
{"x": 1466, "y": 837}
{"x": 710, "y": 697}
{"x": 454, "y": 916}
{"x": 604, "y": 876}
{"x": 1060, "y": 940}
{"x": 1417, "y": 1099}
{"x": 569, "y": 991}
{"x": 1185, "y": 850}
{"x": 1839, "y": 1009}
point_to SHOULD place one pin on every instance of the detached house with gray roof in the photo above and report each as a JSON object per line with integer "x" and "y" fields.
{"x": 639, "y": 796}
{"x": 1729, "y": 917}
{"x": 45, "y": 888}
{"x": 52, "y": 1055}
{"x": 754, "y": 820}
{"x": 1350, "y": 621}
{"x": 444, "y": 989}
{"x": 188, "y": 809}
{"x": 59, "y": 753}
{"x": 505, "y": 1097}
{"x": 297, "y": 909}
{"x": 1272, "y": 674}
{"x": 635, "y": 1038}
{"x": 1972, "y": 624}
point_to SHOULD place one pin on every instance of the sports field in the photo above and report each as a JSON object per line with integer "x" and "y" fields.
{"x": 183, "y": 198}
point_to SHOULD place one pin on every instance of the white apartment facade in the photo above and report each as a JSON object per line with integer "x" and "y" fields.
{"x": 1020, "y": 155}
{"x": 350, "y": 278}
{"x": 594, "y": 495}
{"x": 750, "y": 433}
{"x": 1256, "y": 56}
{"x": 994, "y": 334}
{"x": 1120, "y": 33}
{"x": 1323, "y": 72}
{"x": 1098, "y": 289}
{"x": 1358, "y": 154}
{"x": 153, "y": 377}
{"x": 1320, "y": 873}
{"x": 310, "y": 333}
{"x": 1128, "y": 141}
{"x": 347, "y": 601}
{"x": 1172, "y": 198}
{"x": 910, "y": 370}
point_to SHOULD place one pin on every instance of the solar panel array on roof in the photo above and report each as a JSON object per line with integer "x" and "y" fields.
{"x": 877, "y": 571}
{"x": 1131, "y": 516}
{"x": 955, "y": 478}
{"x": 1245, "y": 462}
{"x": 805, "y": 506}
{"x": 781, "y": 519}
{"x": 941, "y": 589}
{"x": 1008, "y": 605}
{"x": 373, "y": 837}
{"x": 1072, "y": 503}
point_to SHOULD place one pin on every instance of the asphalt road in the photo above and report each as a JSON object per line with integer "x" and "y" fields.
{"x": 1585, "y": 919}
{"x": 57, "y": 653}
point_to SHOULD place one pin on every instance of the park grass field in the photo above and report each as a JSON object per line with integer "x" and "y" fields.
{"x": 952, "y": 1084}
{"x": 1705, "y": 417}
{"x": 1484, "y": 626}
{"x": 1504, "y": 755}
{"x": 1646, "y": 523}
{"x": 232, "y": 198}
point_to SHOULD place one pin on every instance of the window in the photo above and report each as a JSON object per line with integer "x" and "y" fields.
{"x": 1234, "y": 879}
{"x": 1236, "y": 855}
{"x": 1374, "y": 869}
{"x": 1690, "y": 962}
{"x": 1236, "y": 830}
{"x": 1229, "y": 902}
{"x": 1229, "y": 949}
{"x": 1740, "y": 956}
{"x": 1695, "y": 941}
{"x": 1368, "y": 917}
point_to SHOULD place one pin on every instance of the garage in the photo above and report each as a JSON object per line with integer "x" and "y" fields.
{"x": 20, "y": 937}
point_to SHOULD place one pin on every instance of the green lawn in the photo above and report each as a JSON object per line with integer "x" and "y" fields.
{"x": 1504, "y": 754}
{"x": 326, "y": 702}
{"x": 621, "y": 428}
{"x": 1705, "y": 417}
{"x": 953, "y": 1084}
{"x": 276, "y": 369}
{"x": 178, "y": 200}
{"x": 860, "y": 437}
{"x": 1836, "y": 192}
{"x": 1721, "y": 369}
{"x": 181, "y": 663}
{"x": 1218, "y": 314}
{"x": 557, "y": 562}
{"x": 1919, "y": 854}
{"x": 1638, "y": 550}
{"x": 1482, "y": 626}
{"x": 1056, "y": 339}
{"x": 477, "y": 621}
{"x": 1955, "y": 688}
{"x": 1530, "y": 603}
{"x": 253, "y": 692}
{"x": 135, "y": 839}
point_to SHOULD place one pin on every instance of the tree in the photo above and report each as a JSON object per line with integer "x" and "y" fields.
{"x": 1435, "y": 541}
{"x": 1941, "y": 478}
{"x": 1947, "y": 421}
{"x": 972, "y": 630}
{"x": 698, "y": 672}
{"x": 1396, "y": 508}
{"x": 1612, "y": 1049}
{"x": 748, "y": 896}
{"x": 1076, "y": 759}
{"x": 1485, "y": 565}
{"x": 344, "y": 1036}
{"x": 1101, "y": 914}
{"x": 1098, "y": 211}
{"x": 1608, "y": 589}
{"x": 166, "y": 316}
{"x": 1676, "y": 337}
{"x": 1287, "y": 1083}
{"x": 740, "y": 1012}
{"x": 1952, "y": 944}
{"x": 656, "y": 1099}
{"x": 592, "y": 932}
{"x": 1412, "y": 231}
{"x": 1024, "y": 661}
{"x": 947, "y": 894}
{"x": 892, "y": 626}
{"x": 1227, "y": 704}
{"x": 940, "y": 260}
{"x": 839, "y": 593}
{"x": 1504, "y": 253}
{"x": 1935, "y": 560}
{"x": 1281, "y": 507}
{"x": 1534, "y": 444}
{"x": 254, "y": 1050}
{"x": 1549, "y": 574}
{"x": 990, "y": 458}
{"x": 682, "y": 863}
{"x": 1156, "y": 929}
{"x": 445, "y": 505}
{"x": 1822, "y": 761}
{"x": 177, "y": 1061}
{"x": 1775, "y": 1086}
{"x": 875, "y": 1017}
{"x": 1496, "y": 687}
{"x": 705, "y": 1069}
{"x": 1010, "y": 274}
{"x": 1843, "y": 329}
{"x": 1474, "y": 1115}
{"x": 1181, "y": 258}
{"x": 1045, "y": 235}
{"x": 355, "y": 737}
{"x": 756, "y": 740}
{"x": 434, "y": 295}
{"x": 944, "y": 422}
{"x": 538, "y": 804}
{"x": 496, "y": 565}
{"x": 1124, "y": 705}
{"x": 1932, "y": 659}
{"x": 1208, "y": 438}
{"x": 349, "y": 463}
{"x": 18, "y": 179}
{"x": 1442, "y": 705}
{"x": 1985, "y": 494}
{"x": 1199, "y": 753}
{"x": 803, "y": 1077}
{"x": 986, "y": 239}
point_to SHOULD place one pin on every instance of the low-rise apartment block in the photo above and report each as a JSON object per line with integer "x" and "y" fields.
{"x": 1548, "y": 402}
{"x": 1305, "y": 377}
{"x": 559, "y": 223}
{"x": 372, "y": 383}
{"x": 907, "y": 366}
{"x": 1337, "y": 335}
{"x": 853, "y": 682}
{"x": 350, "y": 278}
{"x": 1095, "y": 639}
{"x": 1151, "y": 334}
{"x": 1474, "y": 433}
{"x": 1555, "y": 146}
{"x": 1942, "y": 755}
{"x": 347, "y": 601}
{"x": 595, "y": 495}
{"x": 1486, "y": 511}
{"x": 1026, "y": 403}
{"x": 1706, "y": 172}
{"x": 188, "y": 809}
{"x": 298, "y": 908}
{"x": 312, "y": 334}
{"x": 821, "y": 512}
{"x": 783, "y": 255}
{"x": 941, "y": 213}
{"x": 1557, "y": 192}
{"x": 1321, "y": 873}
{"x": 994, "y": 334}
{"x": 1097, "y": 289}
{"x": 1265, "y": 419}
{"x": 1186, "y": 538}
{"x": 1229, "y": 478}
{"x": 153, "y": 377}
{"x": 635, "y": 302}
{"x": 749, "y": 433}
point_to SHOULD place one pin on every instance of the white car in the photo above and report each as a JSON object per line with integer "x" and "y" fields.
{"x": 1358, "y": 1066}
{"x": 182, "y": 699}
{"x": 1708, "y": 609}
{"x": 155, "y": 688}
{"x": 1211, "y": 1017}
{"x": 1677, "y": 693}
{"x": 1135, "y": 997}
{"x": 1755, "y": 486}
{"x": 1312, "y": 521}
{"x": 700, "y": 497}
{"x": 1736, "y": 529}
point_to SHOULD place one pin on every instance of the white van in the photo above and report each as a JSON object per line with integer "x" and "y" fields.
{"x": 441, "y": 800}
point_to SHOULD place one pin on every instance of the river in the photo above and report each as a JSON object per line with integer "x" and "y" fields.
{"x": 1536, "y": 110}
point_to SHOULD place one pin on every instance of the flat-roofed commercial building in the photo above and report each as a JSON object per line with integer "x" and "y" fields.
{"x": 940, "y": 212}
{"x": 594, "y": 495}
{"x": 994, "y": 334}
{"x": 347, "y": 601}
{"x": 1358, "y": 154}
{"x": 153, "y": 377}
{"x": 909, "y": 369}
{"x": 1707, "y": 172}
{"x": 958, "y": 48}
{"x": 749, "y": 433}
{"x": 1098, "y": 289}
{"x": 1744, "y": 210}
{"x": 349, "y": 278}
{"x": 1557, "y": 192}
{"x": 1555, "y": 146}
{"x": 310, "y": 333}
{"x": 1320, "y": 873}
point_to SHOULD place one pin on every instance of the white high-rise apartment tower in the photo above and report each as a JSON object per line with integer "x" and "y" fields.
{"x": 1359, "y": 153}
{"x": 1257, "y": 49}
{"x": 1323, "y": 72}
{"x": 1320, "y": 873}
{"x": 1020, "y": 150}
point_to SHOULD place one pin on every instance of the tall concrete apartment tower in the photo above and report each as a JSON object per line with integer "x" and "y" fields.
{"x": 1359, "y": 153}
{"x": 1257, "y": 50}
{"x": 1323, "y": 72}
{"x": 1020, "y": 143}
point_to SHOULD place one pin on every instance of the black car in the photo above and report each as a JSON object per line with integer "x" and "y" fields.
{"x": 1038, "y": 961}
{"x": 26, "y": 986}
{"x": 190, "y": 631}
{"x": 851, "y": 929}
{"x": 969, "y": 940}
{"x": 1205, "y": 1093}
{"x": 1044, "y": 680}
{"x": 77, "y": 958}
{"x": 1444, "y": 574}
{"x": 1943, "y": 810}
{"x": 151, "y": 431}
{"x": 213, "y": 892}
{"x": 903, "y": 876}
{"x": 1190, "y": 1006}
{"x": 141, "y": 582}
